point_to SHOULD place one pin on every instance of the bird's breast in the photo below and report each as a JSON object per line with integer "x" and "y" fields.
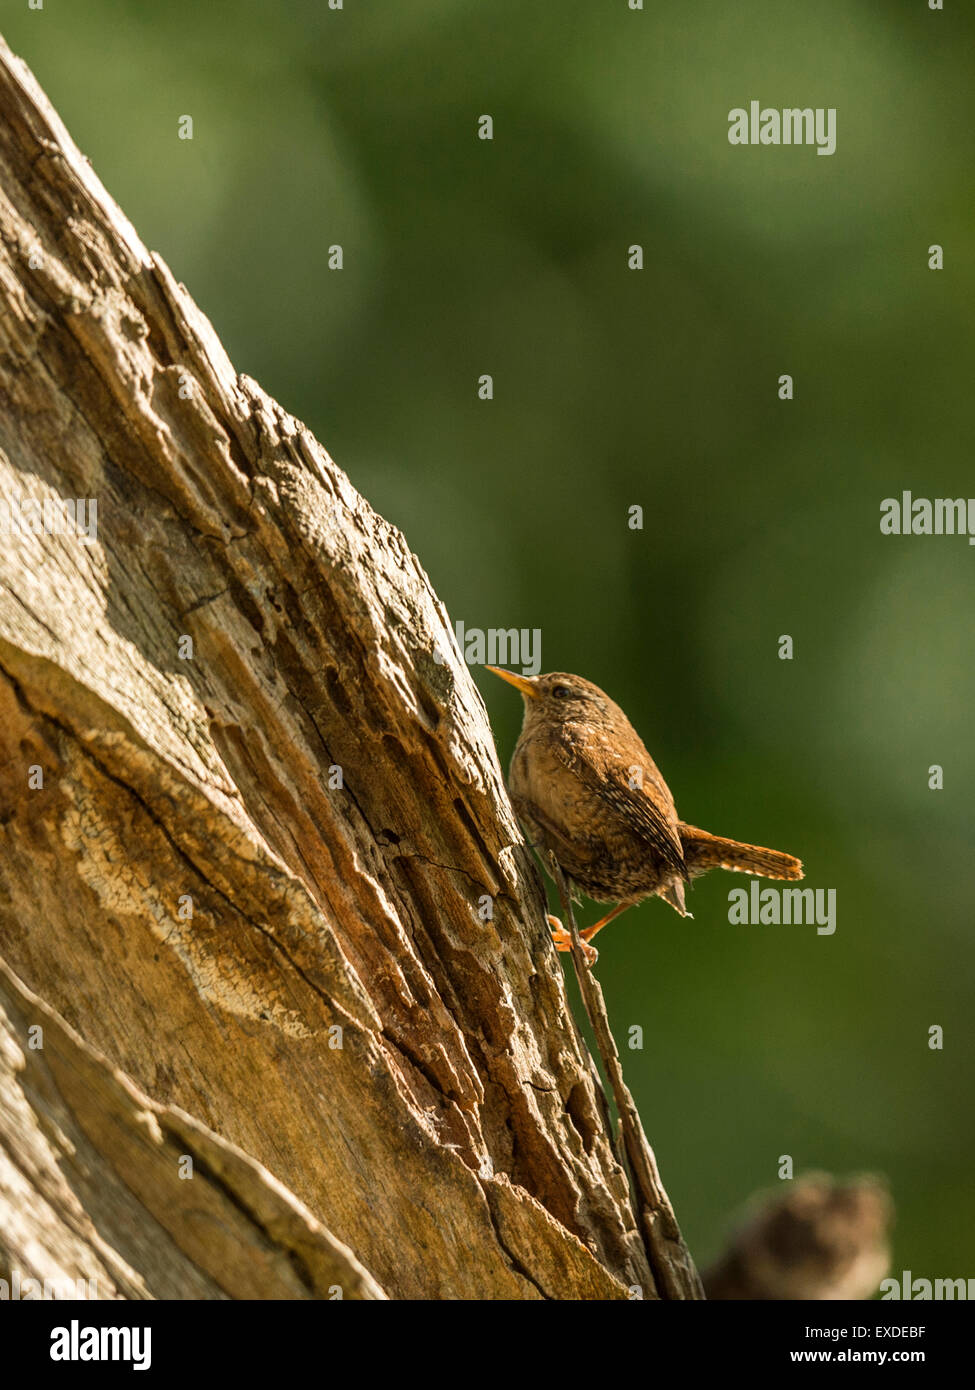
{"x": 588, "y": 833}
{"x": 569, "y": 805}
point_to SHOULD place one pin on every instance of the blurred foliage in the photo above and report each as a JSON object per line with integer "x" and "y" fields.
{"x": 616, "y": 387}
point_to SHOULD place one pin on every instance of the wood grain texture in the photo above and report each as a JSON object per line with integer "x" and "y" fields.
{"x": 454, "y": 1141}
{"x": 99, "y": 1184}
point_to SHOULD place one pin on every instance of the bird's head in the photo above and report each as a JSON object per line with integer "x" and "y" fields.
{"x": 559, "y": 697}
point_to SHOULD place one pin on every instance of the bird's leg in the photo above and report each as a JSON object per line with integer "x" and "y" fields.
{"x": 590, "y": 932}
{"x": 563, "y": 941}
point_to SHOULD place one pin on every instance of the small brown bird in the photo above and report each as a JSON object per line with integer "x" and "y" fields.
{"x": 592, "y": 797}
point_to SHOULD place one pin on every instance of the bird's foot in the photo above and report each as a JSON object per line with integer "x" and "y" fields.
{"x": 563, "y": 941}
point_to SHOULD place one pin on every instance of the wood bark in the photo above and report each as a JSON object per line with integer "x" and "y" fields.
{"x": 245, "y": 901}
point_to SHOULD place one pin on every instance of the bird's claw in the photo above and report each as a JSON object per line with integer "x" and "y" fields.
{"x": 563, "y": 941}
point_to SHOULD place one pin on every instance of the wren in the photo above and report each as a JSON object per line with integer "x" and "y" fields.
{"x": 592, "y": 798}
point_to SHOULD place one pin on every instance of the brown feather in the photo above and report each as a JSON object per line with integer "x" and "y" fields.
{"x": 703, "y": 851}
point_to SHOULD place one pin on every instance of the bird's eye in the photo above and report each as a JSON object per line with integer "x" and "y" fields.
{"x": 560, "y": 692}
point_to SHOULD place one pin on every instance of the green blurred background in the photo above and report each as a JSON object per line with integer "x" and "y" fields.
{"x": 659, "y": 388}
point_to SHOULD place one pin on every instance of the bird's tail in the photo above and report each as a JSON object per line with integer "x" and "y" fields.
{"x": 703, "y": 851}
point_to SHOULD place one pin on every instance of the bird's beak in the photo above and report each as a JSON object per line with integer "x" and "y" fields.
{"x": 525, "y": 684}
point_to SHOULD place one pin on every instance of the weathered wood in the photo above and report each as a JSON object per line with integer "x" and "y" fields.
{"x": 454, "y": 1141}
{"x": 673, "y": 1269}
{"x": 100, "y": 1186}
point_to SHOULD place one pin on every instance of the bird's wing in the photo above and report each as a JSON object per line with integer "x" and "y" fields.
{"x": 648, "y": 809}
